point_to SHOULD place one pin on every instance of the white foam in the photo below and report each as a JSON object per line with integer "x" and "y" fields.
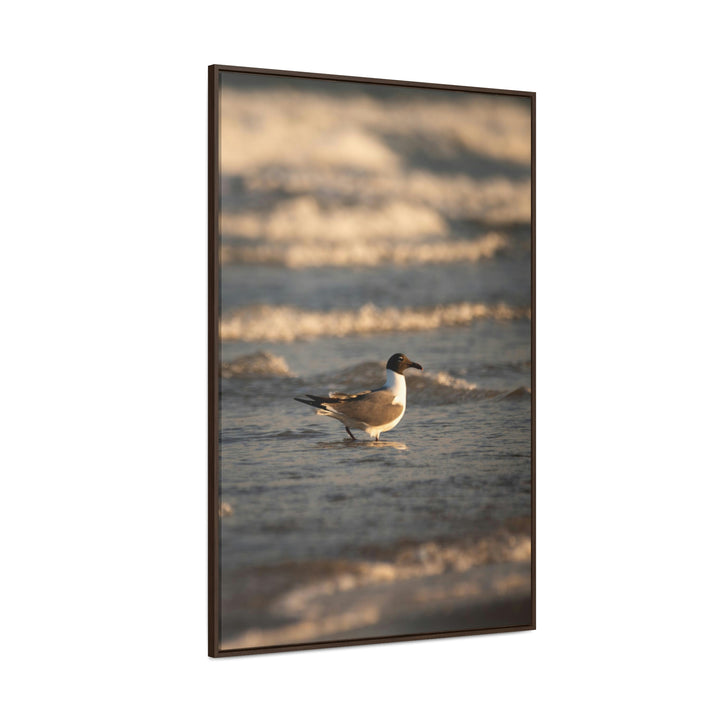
{"x": 366, "y": 254}
{"x": 495, "y": 200}
{"x": 289, "y": 128}
{"x": 286, "y": 323}
{"x": 447, "y": 380}
{"x": 303, "y": 219}
{"x": 423, "y": 561}
{"x": 261, "y": 363}
{"x": 428, "y": 578}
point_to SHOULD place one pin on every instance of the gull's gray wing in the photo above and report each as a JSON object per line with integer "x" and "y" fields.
{"x": 374, "y": 408}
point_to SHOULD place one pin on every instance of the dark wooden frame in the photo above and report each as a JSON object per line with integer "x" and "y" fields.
{"x": 213, "y": 364}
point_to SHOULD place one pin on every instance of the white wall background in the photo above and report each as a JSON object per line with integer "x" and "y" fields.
{"x": 102, "y": 295}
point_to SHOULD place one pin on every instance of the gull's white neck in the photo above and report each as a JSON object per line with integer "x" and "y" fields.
{"x": 395, "y": 382}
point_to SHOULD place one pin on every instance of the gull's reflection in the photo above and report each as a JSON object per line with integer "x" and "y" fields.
{"x": 362, "y": 445}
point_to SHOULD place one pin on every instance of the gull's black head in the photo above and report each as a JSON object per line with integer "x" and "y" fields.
{"x": 399, "y": 363}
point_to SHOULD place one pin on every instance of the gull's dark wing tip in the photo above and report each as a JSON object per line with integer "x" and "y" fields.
{"x": 338, "y": 398}
{"x": 320, "y": 400}
{"x": 315, "y": 400}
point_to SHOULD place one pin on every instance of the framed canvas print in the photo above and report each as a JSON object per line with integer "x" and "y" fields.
{"x": 371, "y": 360}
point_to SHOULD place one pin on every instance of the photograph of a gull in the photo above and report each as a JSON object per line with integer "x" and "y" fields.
{"x": 375, "y": 361}
{"x": 374, "y": 411}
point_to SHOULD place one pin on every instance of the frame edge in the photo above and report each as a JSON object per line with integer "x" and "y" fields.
{"x": 213, "y": 405}
{"x": 372, "y": 81}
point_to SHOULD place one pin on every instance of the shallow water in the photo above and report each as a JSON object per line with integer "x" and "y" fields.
{"x": 328, "y": 269}
{"x": 303, "y": 498}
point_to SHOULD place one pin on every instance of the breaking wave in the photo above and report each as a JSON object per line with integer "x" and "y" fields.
{"x": 422, "y": 560}
{"x": 442, "y": 388}
{"x": 264, "y": 128}
{"x": 287, "y": 323}
{"x": 427, "y": 388}
{"x": 257, "y": 364}
{"x": 304, "y": 219}
{"x": 340, "y": 596}
{"x": 498, "y": 200}
{"x": 367, "y": 254}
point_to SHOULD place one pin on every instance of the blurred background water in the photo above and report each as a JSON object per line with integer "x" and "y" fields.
{"x": 357, "y": 221}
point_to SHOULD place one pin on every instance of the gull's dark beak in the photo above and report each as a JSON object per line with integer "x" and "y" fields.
{"x": 416, "y": 365}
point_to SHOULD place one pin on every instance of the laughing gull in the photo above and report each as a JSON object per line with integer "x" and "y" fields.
{"x": 374, "y": 411}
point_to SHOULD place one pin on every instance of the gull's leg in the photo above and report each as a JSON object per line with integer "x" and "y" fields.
{"x": 347, "y": 430}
